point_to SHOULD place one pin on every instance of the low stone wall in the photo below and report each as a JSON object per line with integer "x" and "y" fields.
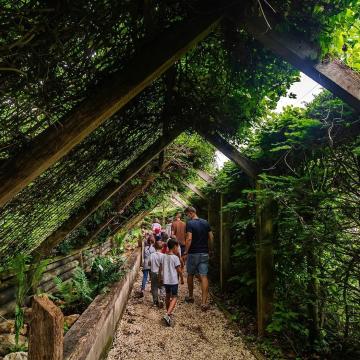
{"x": 91, "y": 336}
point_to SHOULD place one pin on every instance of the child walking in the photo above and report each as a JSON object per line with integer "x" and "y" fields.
{"x": 155, "y": 261}
{"x": 169, "y": 269}
{"x": 148, "y": 250}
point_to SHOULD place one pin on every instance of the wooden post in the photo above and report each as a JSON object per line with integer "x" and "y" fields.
{"x": 225, "y": 243}
{"x": 46, "y": 331}
{"x": 265, "y": 214}
{"x": 214, "y": 221}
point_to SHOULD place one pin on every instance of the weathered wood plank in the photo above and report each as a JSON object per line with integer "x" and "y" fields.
{"x": 125, "y": 201}
{"x": 302, "y": 54}
{"x": 46, "y": 331}
{"x": 105, "y": 193}
{"x": 107, "y": 98}
{"x": 195, "y": 190}
{"x": 248, "y": 166}
{"x": 205, "y": 176}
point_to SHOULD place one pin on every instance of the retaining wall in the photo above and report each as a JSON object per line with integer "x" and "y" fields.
{"x": 91, "y": 336}
{"x": 61, "y": 266}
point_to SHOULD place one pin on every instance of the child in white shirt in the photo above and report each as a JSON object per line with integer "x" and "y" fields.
{"x": 169, "y": 269}
{"x": 155, "y": 261}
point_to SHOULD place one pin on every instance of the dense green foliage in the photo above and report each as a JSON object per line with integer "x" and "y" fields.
{"x": 75, "y": 295}
{"x": 313, "y": 176}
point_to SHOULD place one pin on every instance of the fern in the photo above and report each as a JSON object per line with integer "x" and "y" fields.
{"x": 82, "y": 285}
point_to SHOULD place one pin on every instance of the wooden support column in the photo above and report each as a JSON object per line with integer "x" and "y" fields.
{"x": 225, "y": 244}
{"x": 105, "y": 100}
{"x": 102, "y": 195}
{"x": 214, "y": 221}
{"x": 47, "y": 330}
{"x": 332, "y": 74}
{"x": 265, "y": 214}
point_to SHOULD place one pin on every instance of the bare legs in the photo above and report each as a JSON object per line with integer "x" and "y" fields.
{"x": 190, "y": 282}
{"x": 170, "y": 303}
{"x": 204, "y": 287}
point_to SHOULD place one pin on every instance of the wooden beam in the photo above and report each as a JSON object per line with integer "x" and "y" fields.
{"x": 247, "y": 165}
{"x": 205, "y": 176}
{"x": 103, "y": 194}
{"x": 125, "y": 201}
{"x": 195, "y": 190}
{"x": 132, "y": 221}
{"x": 178, "y": 198}
{"x": 332, "y": 74}
{"x": 104, "y": 101}
{"x": 175, "y": 202}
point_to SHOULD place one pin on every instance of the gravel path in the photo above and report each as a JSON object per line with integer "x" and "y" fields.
{"x": 142, "y": 334}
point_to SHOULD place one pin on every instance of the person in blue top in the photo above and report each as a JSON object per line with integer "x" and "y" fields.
{"x": 198, "y": 238}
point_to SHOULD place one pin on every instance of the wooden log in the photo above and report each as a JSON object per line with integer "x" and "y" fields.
{"x": 103, "y": 194}
{"x": 103, "y": 102}
{"x": 302, "y": 54}
{"x": 249, "y": 167}
{"x": 46, "y": 340}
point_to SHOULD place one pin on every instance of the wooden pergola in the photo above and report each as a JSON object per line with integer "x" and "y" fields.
{"x": 112, "y": 94}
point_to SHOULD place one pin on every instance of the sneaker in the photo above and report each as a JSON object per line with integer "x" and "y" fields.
{"x": 189, "y": 300}
{"x": 167, "y": 319}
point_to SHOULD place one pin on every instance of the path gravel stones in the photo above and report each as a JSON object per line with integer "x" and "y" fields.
{"x": 142, "y": 334}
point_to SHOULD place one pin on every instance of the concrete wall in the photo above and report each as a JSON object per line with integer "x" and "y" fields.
{"x": 91, "y": 336}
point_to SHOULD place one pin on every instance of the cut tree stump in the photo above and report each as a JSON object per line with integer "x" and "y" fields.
{"x": 46, "y": 330}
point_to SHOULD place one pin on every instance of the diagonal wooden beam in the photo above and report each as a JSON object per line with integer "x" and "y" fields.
{"x": 176, "y": 196}
{"x": 124, "y": 202}
{"x": 302, "y": 54}
{"x": 105, "y": 193}
{"x": 248, "y": 166}
{"x": 205, "y": 176}
{"x": 108, "y": 97}
{"x": 195, "y": 190}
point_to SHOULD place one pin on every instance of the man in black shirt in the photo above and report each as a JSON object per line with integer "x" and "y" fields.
{"x": 198, "y": 237}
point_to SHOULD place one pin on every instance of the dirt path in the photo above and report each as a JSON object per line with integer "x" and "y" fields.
{"x": 142, "y": 335}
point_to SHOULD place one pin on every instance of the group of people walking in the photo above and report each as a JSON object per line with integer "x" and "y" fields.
{"x": 168, "y": 250}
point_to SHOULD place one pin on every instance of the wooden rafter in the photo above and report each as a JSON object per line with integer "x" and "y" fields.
{"x": 248, "y": 166}
{"x": 103, "y": 194}
{"x": 124, "y": 202}
{"x": 107, "y": 98}
{"x": 195, "y": 190}
{"x": 302, "y": 54}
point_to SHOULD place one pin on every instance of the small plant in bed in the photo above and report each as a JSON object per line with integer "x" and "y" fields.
{"x": 74, "y": 295}
{"x": 106, "y": 270}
